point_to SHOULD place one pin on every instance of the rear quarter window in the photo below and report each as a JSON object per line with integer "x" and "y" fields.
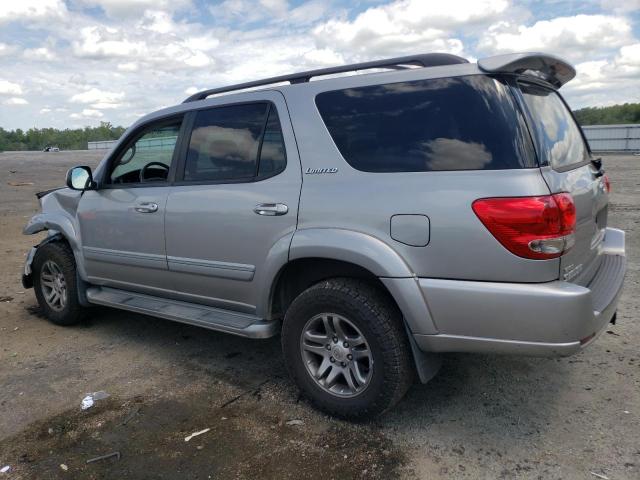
{"x": 460, "y": 123}
{"x": 557, "y": 135}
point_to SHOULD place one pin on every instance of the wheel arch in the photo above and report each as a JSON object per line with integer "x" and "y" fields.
{"x": 59, "y": 227}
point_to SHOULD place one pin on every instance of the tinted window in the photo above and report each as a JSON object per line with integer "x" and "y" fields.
{"x": 558, "y": 138}
{"x": 224, "y": 143}
{"x": 149, "y": 157}
{"x": 272, "y": 153}
{"x": 462, "y": 123}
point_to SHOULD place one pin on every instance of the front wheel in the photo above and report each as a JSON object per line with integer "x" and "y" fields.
{"x": 55, "y": 284}
{"x": 346, "y": 348}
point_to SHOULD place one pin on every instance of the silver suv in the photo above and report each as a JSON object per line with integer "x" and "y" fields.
{"x": 431, "y": 205}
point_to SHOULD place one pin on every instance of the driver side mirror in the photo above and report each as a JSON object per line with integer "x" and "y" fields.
{"x": 80, "y": 178}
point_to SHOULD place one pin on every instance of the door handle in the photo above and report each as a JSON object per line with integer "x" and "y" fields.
{"x": 146, "y": 207}
{"x": 271, "y": 209}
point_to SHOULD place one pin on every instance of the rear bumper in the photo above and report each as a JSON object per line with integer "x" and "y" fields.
{"x": 550, "y": 319}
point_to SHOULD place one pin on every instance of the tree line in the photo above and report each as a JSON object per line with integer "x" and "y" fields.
{"x": 67, "y": 139}
{"x": 615, "y": 114}
{"x": 76, "y": 139}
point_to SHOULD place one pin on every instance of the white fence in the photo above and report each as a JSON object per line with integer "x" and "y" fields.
{"x": 101, "y": 145}
{"x": 154, "y": 143}
{"x": 613, "y": 138}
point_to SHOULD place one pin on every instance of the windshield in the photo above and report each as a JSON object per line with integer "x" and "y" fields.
{"x": 558, "y": 137}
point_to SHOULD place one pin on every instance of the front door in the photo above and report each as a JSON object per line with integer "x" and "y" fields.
{"x": 122, "y": 222}
{"x": 235, "y": 202}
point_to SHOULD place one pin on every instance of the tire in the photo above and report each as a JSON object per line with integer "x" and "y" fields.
{"x": 358, "y": 310}
{"x": 54, "y": 268}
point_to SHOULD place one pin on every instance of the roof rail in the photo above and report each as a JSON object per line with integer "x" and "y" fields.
{"x": 423, "y": 60}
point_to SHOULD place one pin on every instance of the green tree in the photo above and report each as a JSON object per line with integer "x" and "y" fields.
{"x": 613, "y": 115}
{"x": 67, "y": 139}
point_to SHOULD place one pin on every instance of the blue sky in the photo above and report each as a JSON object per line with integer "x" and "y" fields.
{"x": 71, "y": 63}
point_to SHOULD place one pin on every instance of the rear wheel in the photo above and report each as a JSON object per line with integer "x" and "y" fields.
{"x": 345, "y": 346}
{"x": 55, "y": 285}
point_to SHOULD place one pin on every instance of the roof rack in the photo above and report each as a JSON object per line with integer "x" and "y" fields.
{"x": 423, "y": 60}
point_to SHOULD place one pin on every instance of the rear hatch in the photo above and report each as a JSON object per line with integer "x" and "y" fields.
{"x": 567, "y": 166}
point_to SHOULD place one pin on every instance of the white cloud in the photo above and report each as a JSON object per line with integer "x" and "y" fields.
{"x": 576, "y": 37}
{"x": 607, "y": 81}
{"x": 28, "y": 10}
{"x": 6, "y": 49}
{"x": 101, "y": 42}
{"x": 99, "y": 99}
{"x": 15, "y": 101}
{"x": 247, "y": 11}
{"x": 9, "y": 88}
{"x": 42, "y": 53}
{"x": 140, "y": 47}
{"x": 621, "y": 6}
{"x": 45, "y": 110}
{"x": 407, "y": 25}
{"x": 192, "y": 90}
{"x": 128, "y": 67}
{"x": 133, "y": 8}
{"x": 87, "y": 113}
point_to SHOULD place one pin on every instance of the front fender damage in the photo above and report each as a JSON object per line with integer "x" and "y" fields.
{"x": 58, "y": 218}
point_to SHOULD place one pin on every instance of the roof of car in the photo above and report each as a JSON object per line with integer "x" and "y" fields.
{"x": 549, "y": 68}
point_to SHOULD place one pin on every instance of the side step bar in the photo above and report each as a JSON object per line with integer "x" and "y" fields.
{"x": 237, "y": 323}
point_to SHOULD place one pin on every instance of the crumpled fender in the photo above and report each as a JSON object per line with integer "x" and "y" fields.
{"x": 58, "y": 217}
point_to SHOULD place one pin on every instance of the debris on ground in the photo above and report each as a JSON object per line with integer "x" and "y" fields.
{"x": 6, "y": 299}
{"x": 91, "y": 398}
{"x": 254, "y": 391}
{"x": 295, "y": 422}
{"x": 611, "y": 332}
{"x": 131, "y": 415}
{"x": 19, "y": 184}
{"x": 195, "y": 434}
{"x": 64, "y": 467}
{"x": 104, "y": 457}
{"x": 603, "y": 477}
{"x": 5, "y": 469}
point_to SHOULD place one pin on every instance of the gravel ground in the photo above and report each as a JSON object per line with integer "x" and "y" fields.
{"x": 481, "y": 417}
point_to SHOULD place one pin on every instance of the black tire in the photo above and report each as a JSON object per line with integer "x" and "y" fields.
{"x": 61, "y": 256}
{"x": 378, "y": 319}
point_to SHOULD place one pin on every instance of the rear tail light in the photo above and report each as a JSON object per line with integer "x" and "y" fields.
{"x": 607, "y": 183}
{"x": 539, "y": 228}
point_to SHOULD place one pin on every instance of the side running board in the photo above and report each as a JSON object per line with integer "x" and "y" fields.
{"x": 237, "y": 323}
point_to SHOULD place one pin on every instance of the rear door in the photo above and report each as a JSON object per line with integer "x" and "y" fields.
{"x": 234, "y": 206}
{"x": 567, "y": 167}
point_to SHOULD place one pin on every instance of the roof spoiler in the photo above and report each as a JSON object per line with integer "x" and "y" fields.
{"x": 549, "y": 68}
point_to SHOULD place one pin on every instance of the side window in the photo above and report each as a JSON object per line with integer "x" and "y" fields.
{"x": 272, "y": 154}
{"x": 458, "y": 123}
{"x": 236, "y": 142}
{"x": 148, "y": 158}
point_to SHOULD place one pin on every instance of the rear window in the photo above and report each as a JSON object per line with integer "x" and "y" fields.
{"x": 558, "y": 138}
{"x": 461, "y": 123}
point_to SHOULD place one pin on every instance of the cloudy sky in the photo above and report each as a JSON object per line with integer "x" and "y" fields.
{"x": 71, "y": 63}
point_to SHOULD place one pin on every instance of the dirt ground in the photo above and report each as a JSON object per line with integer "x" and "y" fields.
{"x": 481, "y": 417}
